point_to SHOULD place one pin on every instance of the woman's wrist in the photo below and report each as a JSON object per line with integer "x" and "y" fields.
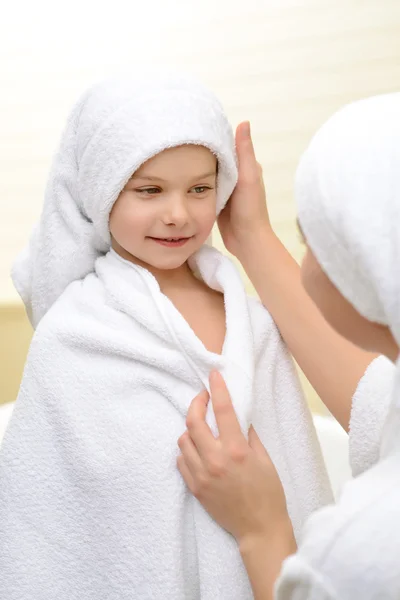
{"x": 263, "y": 554}
{"x": 281, "y": 536}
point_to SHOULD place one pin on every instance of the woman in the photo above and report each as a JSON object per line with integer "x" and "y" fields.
{"x": 348, "y": 195}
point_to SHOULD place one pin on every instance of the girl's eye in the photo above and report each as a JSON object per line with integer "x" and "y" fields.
{"x": 148, "y": 191}
{"x": 200, "y": 189}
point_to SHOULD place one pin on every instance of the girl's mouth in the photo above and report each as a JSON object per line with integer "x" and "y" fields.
{"x": 172, "y": 242}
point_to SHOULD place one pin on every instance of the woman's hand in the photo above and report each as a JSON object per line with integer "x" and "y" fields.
{"x": 234, "y": 479}
{"x": 245, "y": 216}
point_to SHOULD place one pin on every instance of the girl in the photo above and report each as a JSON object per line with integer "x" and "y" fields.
{"x": 131, "y": 313}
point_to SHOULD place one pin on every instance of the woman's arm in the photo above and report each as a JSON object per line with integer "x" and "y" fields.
{"x": 263, "y": 560}
{"x": 333, "y": 365}
{"x": 237, "y": 483}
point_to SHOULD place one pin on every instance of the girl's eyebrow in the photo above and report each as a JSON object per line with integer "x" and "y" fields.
{"x": 147, "y": 177}
{"x": 154, "y": 178}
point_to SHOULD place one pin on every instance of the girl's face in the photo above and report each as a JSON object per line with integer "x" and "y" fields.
{"x": 167, "y": 209}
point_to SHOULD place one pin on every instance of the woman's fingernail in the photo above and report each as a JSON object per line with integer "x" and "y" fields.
{"x": 246, "y": 129}
{"x": 214, "y": 377}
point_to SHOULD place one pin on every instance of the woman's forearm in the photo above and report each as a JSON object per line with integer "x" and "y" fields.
{"x": 263, "y": 560}
{"x": 333, "y": 365}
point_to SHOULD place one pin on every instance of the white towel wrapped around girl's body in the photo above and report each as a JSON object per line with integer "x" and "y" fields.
{"x": 92, "y": 505}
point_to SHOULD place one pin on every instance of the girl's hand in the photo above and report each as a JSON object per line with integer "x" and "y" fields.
{"x": 245, "y": 216}
{"x": 234, "y": 479}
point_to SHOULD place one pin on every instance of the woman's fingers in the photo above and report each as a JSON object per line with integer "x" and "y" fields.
{"x": 186, "y": 474}
{"x": 204, "y": 455}
{"x": 248, "y": 166}
{"x": 255, "y": 443}
{"x": 190, "y": 453}
{"x": 196, "y": 471}
{"x": 225, "y": 416}
{"x": 198, "y": 429}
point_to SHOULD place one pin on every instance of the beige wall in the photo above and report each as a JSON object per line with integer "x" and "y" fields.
{"x": 15, "y": 335}
{"x": 286, "y": 65}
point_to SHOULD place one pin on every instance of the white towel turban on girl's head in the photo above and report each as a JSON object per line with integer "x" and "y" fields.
{"x": 348, "y": 197}
{"x": 113, "y": 129}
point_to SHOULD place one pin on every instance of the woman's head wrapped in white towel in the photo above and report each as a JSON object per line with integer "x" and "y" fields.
{"x": 348, "y": 191}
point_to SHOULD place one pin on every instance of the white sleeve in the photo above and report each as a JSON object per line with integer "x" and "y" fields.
{"x": 349, "y": 551}
{"x": 299, "y": 581}
{"x": 370, "y": 407}
{"x": 307, "y": 575}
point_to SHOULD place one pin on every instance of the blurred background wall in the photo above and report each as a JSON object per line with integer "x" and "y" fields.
{"x": 286, "y": 65}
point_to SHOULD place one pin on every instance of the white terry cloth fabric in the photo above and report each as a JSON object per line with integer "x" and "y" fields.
{"x": 91, "y": 503}
{"x": 348, "y": 194}
{"x": 112, "y": 130}
{"x": 350, "y": 215}
{"x": 369, "y": 411}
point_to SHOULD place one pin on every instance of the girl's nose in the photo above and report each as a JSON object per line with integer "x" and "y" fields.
{"x": 176, "y": 212}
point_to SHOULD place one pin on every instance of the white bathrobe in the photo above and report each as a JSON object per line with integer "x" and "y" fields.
{"x": 92, "y": 505}
{"x": 348, "y": 195}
